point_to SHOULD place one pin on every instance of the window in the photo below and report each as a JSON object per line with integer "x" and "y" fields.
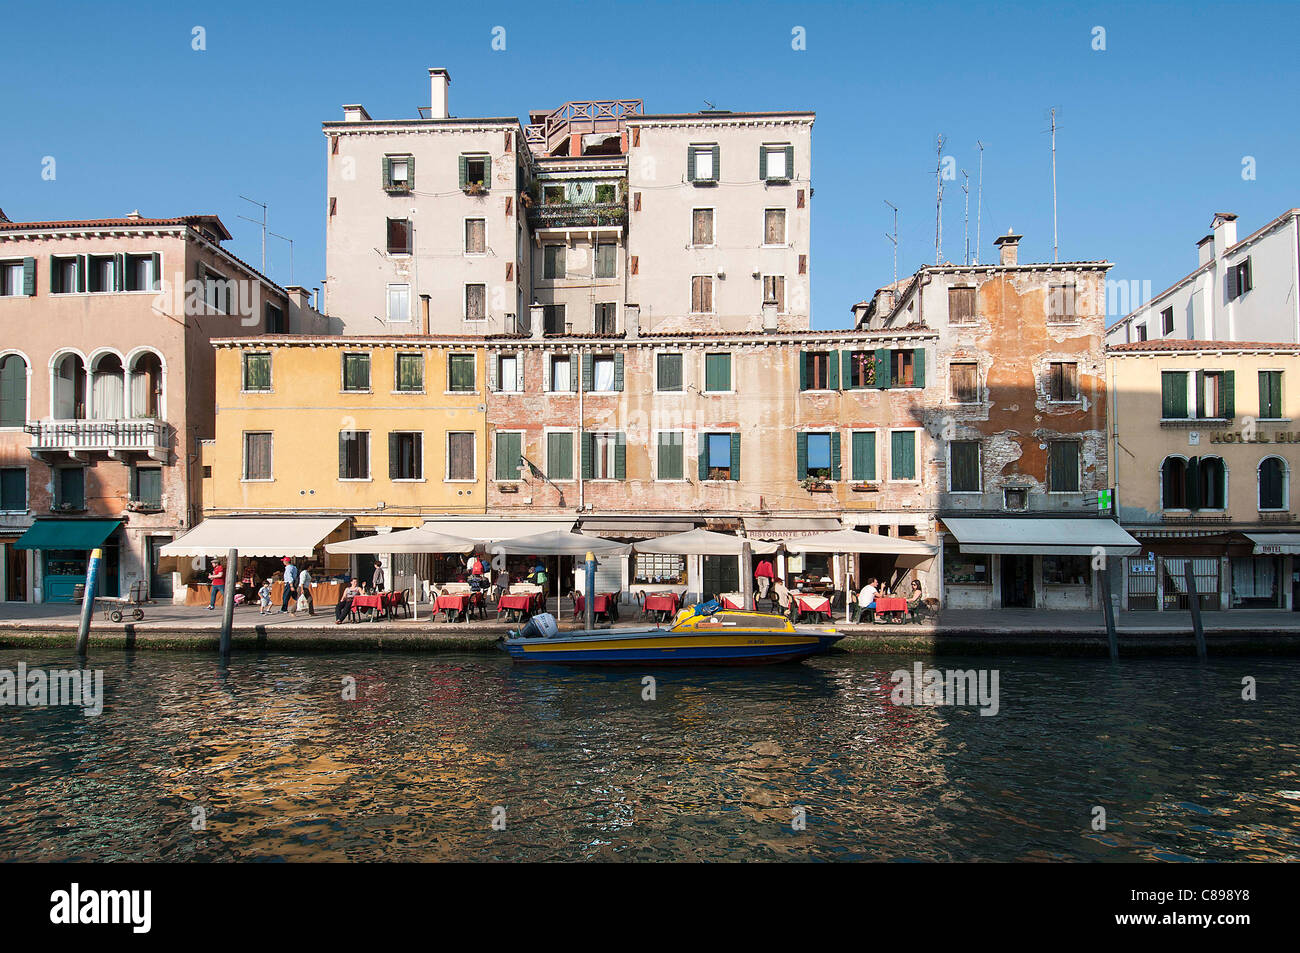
{"x": 217, "y": 291}
{"x": 702, "y": 294}
{"x": 1061, "y": 303}
{"x": 604, "y": 457}
{"x": 275, "y": 319}
{"x": 819, "y": 456}
{"x": 66, "y": 275}
{"x": 717, "y": 372}
{"x": 399, "y": 303}
{"x": 1212, "y": 480}
{"x": 475, "y": 236}
{"x": 774, "y": 226}
{"x": 399, "y": 173}
{"x": 101, "y": 277}
{"x": 1214, "y": 395}
{"x": 1062, "y": 381}
{"x": 1167, "y": 321}
{"x": 559, "y": 455}
{"x": 475, "y": 302}
{"x": 862, "y": 369}
{"x": 257, "y": 456}
{"x": 460, "y": 373}
{"x": 1270, "y": 395}
{"x": 13, "y": 277}
{"x": 774, "y": 291}
{"x": 509, "y": 448}
{"x": 1066, "y": 570}
{"x": 356, "y": 372}
{"x": 1272, "y": 484}
{"x": 863, "y": 448}
{"x": 702, "y": 227}
{"x": 702, "y": 164}
{"x": 146, "y": 487}
{"x": 553, "y": 261}
{"x": 775, "y": 163}
{"x": 606, "y": 260}
{"x": 902, "y": 455}
{"x": 671, "y": 456}
{"x": 553, "y": 195}
{"x": 13, "y": 391}
{"x": 1015, "y": 498}
{"x": 1173, "y": 484}
{"x": 257, "y": 371}
{"x": 561, "y": 373}
{"x": 354, "y": 455}
{"x": 602, "y": 374}
{"x": 903, "y": 368}
{"x": 964, "y": 466}
{"x": 605, "y": 320}
{"x": 965, "y": 380}
{"x": 962, "y": 569}
{"x": 1173, "y": 395}
{"x": 1141, "y": 331}
{"x": 1063, "y": 466}
{"x": 961, "y": 305}
{"x": 816, "y": 370}
{"x": 553, "y": 319}
{"x": 405, "y": 455}
{"x": 606, "y": 193}
{"x": 718, "y": 451}
{"x": 1239, "y": 279}
{"x": 668, "y": 373}
{"x": 399, "y": 236}
{"x": 660, "y": 569}
{"x": 460, "y": 455}
{"x": 475, "y": 172}
{"x": 409, "y": 373}
{"x": 70, "y": 488}
{"x": 510, "y": 373}
{"x": 13, "y": 489}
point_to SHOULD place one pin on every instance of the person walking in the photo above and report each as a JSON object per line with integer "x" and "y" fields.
{"x": 217, "y": 580}
{"x": 304, "y": 587}
{"x": 264, "y": 598}
{"x": 764, "y": 575}
{"x": 377, "y": 579}
{"x": 290, "y": 584}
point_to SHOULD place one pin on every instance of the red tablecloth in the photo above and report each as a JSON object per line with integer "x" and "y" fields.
{"x": 604, "y": 603}
{"x": 519, "y": 603}
{"x": 890, "y": 604}
{"x": 818, "y": 604}
{"x": 731, "y": 601}
{"x": 661, "y": 602}
{"x": 455, "y": 603}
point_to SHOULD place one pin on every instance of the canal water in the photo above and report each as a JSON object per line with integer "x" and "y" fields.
{"x": 443, "y": 757}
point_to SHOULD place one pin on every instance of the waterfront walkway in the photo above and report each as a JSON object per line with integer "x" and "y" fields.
{"x": 956, "y": 630}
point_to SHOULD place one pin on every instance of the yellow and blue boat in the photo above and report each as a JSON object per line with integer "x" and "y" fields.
{"x": 700, "y": 635}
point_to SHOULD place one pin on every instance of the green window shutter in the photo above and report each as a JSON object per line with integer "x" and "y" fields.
{"x": 1201, "y": 409}
{"x": 801, "y": 456}
{"x": 918, "y": 367}
{"x": 588, "y": 372}
{"x": 1173, "y": 395}
{"x": 29, "y": 276}
{"x": 717, "y": 169}
{"x": 902, "y": 455}
{"x": 835, "y": 455}
{"x": 762, "y": 163}
{"x": 882, "y": 368}
{"x": 388, "y": 171}
{"x": 410, "y": 173}
{"x": 834, "y": 374}
{"x": 487, "y": 172}
{"x": 703, "y": 440}
{"x": 1228, "y": 393}
{"x": 1265, "y": 394}
{"x": 343, "y": 455}
{"x": 735, "y": 456}
{"x": 82, "y": 268}
{"x": 157, "y": 272}
{"x": 588, "y": 464}
{"x": 54, "y": 276}
{"x": 789, "y": 162}
{"x": 864, "y": 455}
{"x": 846, "y": 369}
{"x": 690, "y": 164}
{"x": 717, "y": 372}
{"x": 1192, "y": 488}
{"x": 803, "y": 370}
{"x": 464, "y": 172}
{"x": 618, "y": 371}
{"x": 620, "y": 456}
{"x": 392, "y": 456}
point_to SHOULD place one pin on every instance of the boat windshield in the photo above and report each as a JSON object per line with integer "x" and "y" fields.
{"x": 742, "y": 620}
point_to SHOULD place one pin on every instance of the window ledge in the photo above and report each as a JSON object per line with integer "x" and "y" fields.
{"x": 356, "y": 479}
{"x": 408, "y": 393}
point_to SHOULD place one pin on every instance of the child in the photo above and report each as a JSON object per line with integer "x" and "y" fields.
{"x": 264, "y": 597}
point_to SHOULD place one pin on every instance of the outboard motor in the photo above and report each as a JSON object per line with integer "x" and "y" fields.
{"x": 540, "y": 626}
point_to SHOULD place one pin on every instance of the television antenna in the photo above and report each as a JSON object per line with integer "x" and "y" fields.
{"x": 894, "y": 238}
{"x": 261, "y": 222}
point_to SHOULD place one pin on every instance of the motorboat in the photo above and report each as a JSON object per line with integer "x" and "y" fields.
{"x": 703, "y": 634}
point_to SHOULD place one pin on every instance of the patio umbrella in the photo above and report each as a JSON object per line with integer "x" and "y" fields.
{"x": 703, "y": 542}
{"x": 557, "y": 543}
{"x": 908, "y": 553}
{"x": 417, "y": 540}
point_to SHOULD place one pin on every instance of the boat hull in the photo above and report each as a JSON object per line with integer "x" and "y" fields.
{"x": 658, "y": 647}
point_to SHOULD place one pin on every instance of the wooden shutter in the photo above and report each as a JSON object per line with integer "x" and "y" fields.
{"x": 864, "y": 455}
{"x": 620, "y": 456}
{"x": 587, "y": 462}
{"x": 519, "y": 372}
{"x": 618, "y": 371}
{"x": 717, "y": 167}
{"x": 762, "y": 163}
{"x": 846, "y": 370}
{"x": 29, "y": 276}
{"x": 702, "y": 440}
{"x": 883, "y": 369}
{"x": 634, "y": 266}
{"x": 834, "y": 371}
{"x": 803, "y": 264}
{"x": 493, "y": 372}
{"x": 735, "y": 456}
{"x": 800, "y": 200}
{"x": 410, "y": 173}
{"x": 464, "y": 171}
{"x": 918, "y": 367}
{"x": 387, "y": 169}
{"x": 803, "y": 370}
{"x": 343, "y": 455}
{"x": 588, "y": 372}
{"x": 82, "y": 268}
{"x": 690, "y": 164}
{"x": 1232, "y": 282}
{"x": 1228, "y": 394}
{"x": 801, "y": 456}
{"x": 394, "y": 452}
{"x": 835, "y": 455}
{"x": 789, "y": 162}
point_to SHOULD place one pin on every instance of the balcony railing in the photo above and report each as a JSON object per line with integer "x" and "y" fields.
{"x": 144, "y": 435}
{"x": 578, "y": 216}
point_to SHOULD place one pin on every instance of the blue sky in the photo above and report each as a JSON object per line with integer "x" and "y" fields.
{"x": 1152, "y": 131}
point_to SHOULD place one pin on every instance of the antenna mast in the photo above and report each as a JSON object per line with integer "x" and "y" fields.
{"x": 979, "y": 202}
{"x": 894, "y": 238}
{"x": 938, "y": 203}
{"x": 262, "y": 223}
{"x": 965, "y": 228}
{"x": 1054, "y": 237}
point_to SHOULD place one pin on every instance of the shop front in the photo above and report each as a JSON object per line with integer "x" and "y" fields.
{"x": 63, "y": 548}
{"x": 1230, "y": 570}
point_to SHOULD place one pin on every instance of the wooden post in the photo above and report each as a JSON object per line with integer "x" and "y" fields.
{"x": 1194, "y": 602}
{"x": 88, "y": 602}
{"x": 747, "y": 580}
{"x": 589, "y": 603}
{"x": 1108, "y": 612}
{"x": 228, "y": 601}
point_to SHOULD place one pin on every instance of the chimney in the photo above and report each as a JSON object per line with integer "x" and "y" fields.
{"x": 424, "y": 314}
{"x": 1225, "y": 232}
{"x": 1008, "y": 244}
{"x": 355, "y": 113}
{"x": 299, "y": 296}
{"x": 1204, "y": 250}
{"x": 537, "y": 320}
{"x": 439, "y": 80}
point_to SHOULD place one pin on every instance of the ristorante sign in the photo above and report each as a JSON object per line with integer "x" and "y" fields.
{"x": 1258, "y": 436}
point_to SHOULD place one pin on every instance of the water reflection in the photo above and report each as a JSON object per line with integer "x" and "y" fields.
{"x": 714, "y": 768}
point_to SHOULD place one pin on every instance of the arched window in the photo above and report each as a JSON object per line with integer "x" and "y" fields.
{"x": 70, "y": 388}
{"x": 1213, "y": 482}
{"x": 1272, "y": 484}
{"x": 107, "y": 388}
{"x": 1196, "y": 484}
{"x": 1173, "y": 483}
{"x": 146, "y": 385}
{"x": 13, "y": 391}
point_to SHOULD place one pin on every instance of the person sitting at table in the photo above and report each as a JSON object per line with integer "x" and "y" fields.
{"x": 500, "y": 586}
{"x": 915, "y": 599}
{"x": 344, "y": 608}
{"x": 782, "y": 594}
{"x": 867, "y": 601}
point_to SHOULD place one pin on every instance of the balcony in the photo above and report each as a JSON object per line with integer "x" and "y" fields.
{"x": 78, "y": 438}
{"x": 589, "y": 215}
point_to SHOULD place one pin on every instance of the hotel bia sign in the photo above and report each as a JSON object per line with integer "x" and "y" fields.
{"x": 1254, "y": 435}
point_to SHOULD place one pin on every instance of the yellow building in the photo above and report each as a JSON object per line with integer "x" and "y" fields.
{"x": 1205, "y": 437}
{"x": 382, "y": 432}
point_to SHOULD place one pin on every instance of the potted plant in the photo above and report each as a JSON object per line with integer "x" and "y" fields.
{"x": 865, "y": 486}
{"x": 815, "y": 484}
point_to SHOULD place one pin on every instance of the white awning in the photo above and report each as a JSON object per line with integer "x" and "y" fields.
{"x": 702, "y": 542}
{"x": 785, "y": 527}
{"x": 1046, "y": 536}
{"x": 558, "y": 543}
{"x": 1275, "y": 544}
{"x": 418, "y": 540}
{"x": 503, "y": 528}
{"x": 254, "y": 536}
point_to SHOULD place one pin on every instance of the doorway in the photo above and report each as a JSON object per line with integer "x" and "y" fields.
{"x": 15, "y": 581}
{"x": 721, "y": 574}
{"x": 160, "y": 583}
{"x": 1017, "y": 581}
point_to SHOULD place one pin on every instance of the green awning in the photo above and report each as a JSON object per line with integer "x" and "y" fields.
{"x": 67, "y": 534}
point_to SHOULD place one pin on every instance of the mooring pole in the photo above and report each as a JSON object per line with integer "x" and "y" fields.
{"x": 228, "y": 601}
{"x": 589, "y": 604}
{"x": 1108, "y": 613}
{"x": 88, "y": 602}
{"x": 1194, "y": 602}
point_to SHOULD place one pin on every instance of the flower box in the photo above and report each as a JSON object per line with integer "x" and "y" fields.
{"x": 865, "y": 487}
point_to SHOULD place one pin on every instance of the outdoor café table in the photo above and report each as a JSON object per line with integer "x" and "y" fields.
{"x": 732, "y": 600}
{"x": 812, "y": 605}
{"x": 519, "y": 605}
{"x": 662, "y": 604}
{"x": 379, "y": 603}
{"x": 603, "y": 606}
{"x": 456, "y": 606}
{"x": 890, "y": 608}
